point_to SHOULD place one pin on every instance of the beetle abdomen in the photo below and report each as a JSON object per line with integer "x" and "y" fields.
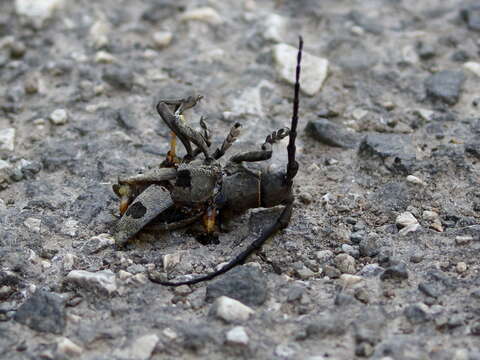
{"x": 274, "y": 189}
{"x": 241, "y": 191}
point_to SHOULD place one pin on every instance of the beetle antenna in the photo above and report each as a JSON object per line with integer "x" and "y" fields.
{"x": 281, "y": 222}
{"x": 292, "y": 166}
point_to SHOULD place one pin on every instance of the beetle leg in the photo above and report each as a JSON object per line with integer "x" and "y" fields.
{"x": 128, "y": 188}
{"x": 228, "y": 142}
{"x": 175, "y": 122}
{"x": 151, "y": 176}
{"x": 181, "y": 105}
{"x": 266, "y": 152}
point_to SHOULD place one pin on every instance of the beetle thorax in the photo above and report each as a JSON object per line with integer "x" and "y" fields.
{"x": 195, "y": 183}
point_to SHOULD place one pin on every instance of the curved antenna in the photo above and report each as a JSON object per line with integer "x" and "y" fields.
{"x": 292, "y": 166}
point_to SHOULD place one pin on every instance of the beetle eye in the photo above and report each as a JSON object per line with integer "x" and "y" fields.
{"x": 184, "y": 178}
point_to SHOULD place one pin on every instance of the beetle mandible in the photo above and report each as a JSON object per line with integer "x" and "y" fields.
{"x": 182, "y": 191}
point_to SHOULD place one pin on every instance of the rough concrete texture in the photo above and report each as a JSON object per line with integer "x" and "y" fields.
{"x": 78, "y": 85}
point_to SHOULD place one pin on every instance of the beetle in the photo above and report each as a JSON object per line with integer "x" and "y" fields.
{"x": 183, "y": 191}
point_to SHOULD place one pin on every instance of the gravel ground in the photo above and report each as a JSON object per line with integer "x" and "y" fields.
{"x": 381, "y": 257}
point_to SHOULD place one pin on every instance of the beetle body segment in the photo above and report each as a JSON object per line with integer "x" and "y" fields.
{"x": 195, "y": 183}
{"x": 240, "y": 191}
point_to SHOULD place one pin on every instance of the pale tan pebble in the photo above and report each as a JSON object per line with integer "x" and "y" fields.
{"x": 348, "y": 280}
{"x": 314, "y": 68}
{"x": 67, "y": 347}
{"x": 203, "y": 14}
{"x": 230, "y": 310}
{"x": 124, "y": 275}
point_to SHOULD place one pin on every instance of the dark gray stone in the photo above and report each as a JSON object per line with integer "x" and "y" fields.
{"x": 343, "y": 299}
{"x": 368, "y": 327}
{"x": 44, "y": 312}
{"x": 445, "y": 86}
{"x": 126, "y": 119}
{"x": 426, "y": 51}
{"x": 368, "y": 247}
{"x": 161, "y": 10}
{"x": 471, "y": 15}
{"x": 332, "y": 134}
{"x": 246, "y": 284}
{"x": 295, "y": 292}
{"x": 416, "y": 313}
{"x": 395, "y": 272}
{"x": 475, "y": 328}
{"x": 196, "y": 337}
{"x": 473, "y": 148}
{"x": 364, "y": 349}
{"x": 395, "y": 151}
{"x": 432, "y": 289}
{"x": 331, "y": 272}
{"x": 120, "y": 78}
{"x": 391, "y": 197}
{"x": 327, "y": 325}
{"x": 460, "y": 56}
{"x": 357, "y": 237}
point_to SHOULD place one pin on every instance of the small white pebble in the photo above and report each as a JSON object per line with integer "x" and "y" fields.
{"x": 415, "y": 180}
{"x": 425, "y": 114}
{"x": 462, "y": 240}
{"x": 461, "y": 267}
{"x": 103, "y": 57}
{"x": 169, "y": 333}
{"x": 33, "y": 224}
{"x": 124, "y": 275}
{"x": 359, "y": 114}
{"x": 171, "y": 260}
{"x": 430, "y": 215}
{"x": 349, "y": 280}
{"x": 406, "y": 218}
{"x": 162, "y": 39}
{"x": 357, "y": 30}
{"x": 230, "y": 310}
{"x": 68, "y": 262}
{"x": 275, "y": 28}
{"x": 473, "y": 67}
{"x": 59, "y": 117}
{"x": 409, "y": 228}
{"x": 237, "y": 336}
{"x": 7, "y": 139}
